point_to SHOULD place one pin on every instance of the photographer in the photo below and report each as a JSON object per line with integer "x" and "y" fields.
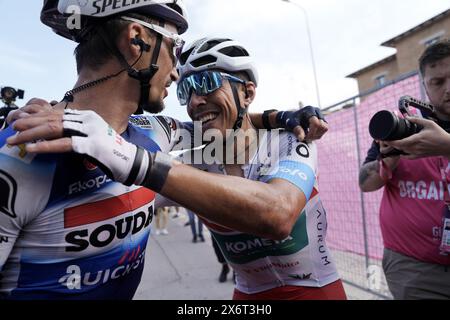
{"x": 8, "y": 96}
{"x": 4, "y": 111}
{"x": 415, "y": 197}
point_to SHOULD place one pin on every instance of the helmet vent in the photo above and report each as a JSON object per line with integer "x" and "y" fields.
{"x": 185, "y": 55}
{"x": 210, "y": 44}
{"x": 203, "y": 61}
{"x": 175, "y": 7}
{"x": 234, "y": 51}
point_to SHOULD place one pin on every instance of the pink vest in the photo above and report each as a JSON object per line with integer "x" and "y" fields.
{"x": 412, "y": 209}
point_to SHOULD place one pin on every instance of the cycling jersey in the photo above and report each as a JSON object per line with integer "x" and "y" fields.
{"x": 69, "y": 232}
{"x": 303, "y": 258}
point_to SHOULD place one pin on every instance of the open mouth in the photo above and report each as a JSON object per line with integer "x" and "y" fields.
{"x": 207, "y": 117}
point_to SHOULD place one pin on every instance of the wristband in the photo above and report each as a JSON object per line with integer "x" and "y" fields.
{"x": 161, "y": 164}
{"x": 265, "y": 118}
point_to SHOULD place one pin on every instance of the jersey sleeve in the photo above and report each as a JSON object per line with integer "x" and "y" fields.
{"x": 180, "y": 135}
{"x": 372, "y": 153}
{"x": 168, "y": 133}
{"x": 162, "y": 131}
{"x": 9, "y": 232}
{"x": 24, "y": 192}
{"x": 297, "y": 163}
{"x": 9, "y": 224}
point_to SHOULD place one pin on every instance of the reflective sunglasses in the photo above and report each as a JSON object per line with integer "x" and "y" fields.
{"x": 177, "y": 40}
{"x": 202, "y": 83}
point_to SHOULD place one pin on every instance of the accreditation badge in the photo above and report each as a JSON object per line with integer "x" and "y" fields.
{"x": 445, "y": 244}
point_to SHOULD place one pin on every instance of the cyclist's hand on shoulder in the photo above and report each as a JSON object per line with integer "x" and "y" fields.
{"x": 33, "y": 106}
{"x": 37, "y": 121}
{"x": 87, "y": 133}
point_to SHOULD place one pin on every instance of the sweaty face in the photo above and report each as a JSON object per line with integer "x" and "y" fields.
{"x": 165, "y": 75}
{"x": 216, "y": 110}
{"x": 437, "y": 85}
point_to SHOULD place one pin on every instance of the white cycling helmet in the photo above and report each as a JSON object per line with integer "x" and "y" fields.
{"x": 216, "y": 53}
{"x": 56, "y": 13}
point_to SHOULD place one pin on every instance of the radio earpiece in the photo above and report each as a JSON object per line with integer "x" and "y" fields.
{"x": 141, "y": 43}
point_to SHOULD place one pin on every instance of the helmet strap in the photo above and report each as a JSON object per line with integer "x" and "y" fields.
{"x": 143, "y": 76}
{"x": 240, "y": 110}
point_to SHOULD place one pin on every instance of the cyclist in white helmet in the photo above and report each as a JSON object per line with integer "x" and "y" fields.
{"x": 218, "y": 81}
{"x": 67, "y": 231}
{"x": 270, "y": 210}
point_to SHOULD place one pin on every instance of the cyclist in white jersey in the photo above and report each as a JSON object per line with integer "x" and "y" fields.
{"x": 296, "y": 266}
{"x": 279, "y": 244}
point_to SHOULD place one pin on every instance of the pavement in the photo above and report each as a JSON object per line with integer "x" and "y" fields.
{"x": 178, "y": 269}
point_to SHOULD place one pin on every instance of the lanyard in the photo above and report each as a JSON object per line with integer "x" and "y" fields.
{"x": 445, "y": 242}
{"x": 444, "y": 168}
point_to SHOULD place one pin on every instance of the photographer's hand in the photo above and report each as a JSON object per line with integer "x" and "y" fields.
{"x": 388, "y": 164}
{"x": 375, "y": 174}
{"x": 432, "y": 140}
{"x": 390, "y": 161}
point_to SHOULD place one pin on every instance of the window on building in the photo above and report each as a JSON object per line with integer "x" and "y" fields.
{"x": 432, "y": 41}
{"x": 380, "y": 80}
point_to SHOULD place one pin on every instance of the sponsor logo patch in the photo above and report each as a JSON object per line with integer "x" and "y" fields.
{"x": 83, "y": 237}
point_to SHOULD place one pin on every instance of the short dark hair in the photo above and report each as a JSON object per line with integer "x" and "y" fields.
{"x": 434, "y": 53}
{"x": 92, "y": 52}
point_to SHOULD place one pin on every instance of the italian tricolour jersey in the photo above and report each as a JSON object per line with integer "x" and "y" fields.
{"x": 303, "y": 258}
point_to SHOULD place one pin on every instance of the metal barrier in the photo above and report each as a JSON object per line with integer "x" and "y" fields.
{"x": 353, "y": 225}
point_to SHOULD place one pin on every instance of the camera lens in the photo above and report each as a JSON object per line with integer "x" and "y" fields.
{"x": 386, "y": 126}
{"x": 383, "y": 125}
{"x": 9, "y": 93}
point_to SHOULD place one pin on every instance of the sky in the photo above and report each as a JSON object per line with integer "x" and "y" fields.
{"x": 345, "y": 35}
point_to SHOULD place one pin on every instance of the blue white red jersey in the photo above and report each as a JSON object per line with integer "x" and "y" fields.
{"x": 66, "y": 230}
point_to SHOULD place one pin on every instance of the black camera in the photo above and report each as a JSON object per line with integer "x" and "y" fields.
{"x": 9, "y": 95}
{"x": 387, "y": 126}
